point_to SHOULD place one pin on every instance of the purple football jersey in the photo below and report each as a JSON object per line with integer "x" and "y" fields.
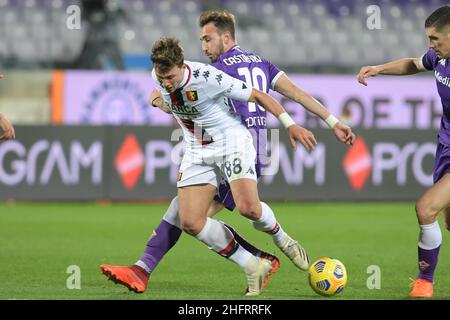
{"x": 441, "y": 70}
{"x": 260, "y": 74}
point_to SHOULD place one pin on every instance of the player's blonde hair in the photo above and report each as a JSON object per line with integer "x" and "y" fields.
{"x": 167, "y": 53}
{"x": 223, "y": 21}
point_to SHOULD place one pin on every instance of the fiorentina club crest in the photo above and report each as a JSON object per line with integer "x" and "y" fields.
{"x": 423, "y": 265}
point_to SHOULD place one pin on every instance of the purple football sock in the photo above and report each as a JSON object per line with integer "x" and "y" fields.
{"x": 427, "y": 263}
{"x": 250, "y": 248}
{"x": 162, "y": 240}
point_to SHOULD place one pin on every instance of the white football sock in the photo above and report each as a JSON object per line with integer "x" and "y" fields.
{"x": 268, "y": 223}
{"x": 142, "y": 264}
{"x": 220, "y": 239}
{"x": 430, "y": 236}
{"x": 171, "y": 215}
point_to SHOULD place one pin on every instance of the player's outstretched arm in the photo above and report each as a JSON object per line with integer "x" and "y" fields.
{"x": 8, "y": 129}
{"x": 399, "y": 67}
{"x": 295, "y": 132}
{"x": 157, "y": 101}
{"x": 289, "y": 89}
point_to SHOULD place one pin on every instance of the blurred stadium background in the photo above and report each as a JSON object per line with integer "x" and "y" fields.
{"x": 78, "y": 100}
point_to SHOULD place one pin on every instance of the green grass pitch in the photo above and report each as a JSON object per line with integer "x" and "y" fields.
{"x": 39, "y": 241}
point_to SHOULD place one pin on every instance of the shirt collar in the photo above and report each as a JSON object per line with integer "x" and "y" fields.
{"x": 186, "y": 77}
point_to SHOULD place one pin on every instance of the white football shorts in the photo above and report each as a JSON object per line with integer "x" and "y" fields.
{"x": 233, "y": 158}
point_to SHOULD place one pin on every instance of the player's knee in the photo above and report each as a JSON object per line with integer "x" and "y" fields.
{"x": 190, "y": 227}
{"x": 250, "y": 209}
{"x": 426, "y": 212}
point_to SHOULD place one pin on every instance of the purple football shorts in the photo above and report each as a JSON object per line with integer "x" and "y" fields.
{"x": 441, "y": 162}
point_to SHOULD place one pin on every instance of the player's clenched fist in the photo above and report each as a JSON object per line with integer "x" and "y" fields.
{"x": 366, "y": 72}
{"x": 302, "y": 135}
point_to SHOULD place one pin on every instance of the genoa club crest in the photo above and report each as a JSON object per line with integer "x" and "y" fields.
{"x": 191, "y": 95}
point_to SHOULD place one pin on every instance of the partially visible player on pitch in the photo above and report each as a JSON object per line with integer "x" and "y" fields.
{"x": 6, "y": 126}
{"x": 437, "y": 198}
{"x": 218, "y": 43}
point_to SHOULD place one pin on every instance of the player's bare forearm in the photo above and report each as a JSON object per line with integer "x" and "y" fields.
{"x": 288, "y": 89}
{"x": 400, "y": 67}
{"x": 267, "y": 102}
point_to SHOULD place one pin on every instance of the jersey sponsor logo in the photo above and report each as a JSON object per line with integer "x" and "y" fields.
{"x": 442, "y": 62}
{"x": 444, "y": 80}
{"x": 191, "y": 95}
{"x": 184, "y": 110}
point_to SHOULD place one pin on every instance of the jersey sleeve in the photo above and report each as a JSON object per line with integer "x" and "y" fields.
{"x": 219, "y": 83}
{"x": 429, "y": 60}
{"x": 274, "y": 73}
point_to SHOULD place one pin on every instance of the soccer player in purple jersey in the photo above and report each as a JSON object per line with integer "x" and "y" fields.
{"x": 437, "y": 198}
{"x": 218, "y": 43}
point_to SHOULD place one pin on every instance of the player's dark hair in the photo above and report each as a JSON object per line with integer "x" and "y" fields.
{"x": 167, "y": 53}
{"x": 439, "y": 18}
{"x": 223, "y": 21}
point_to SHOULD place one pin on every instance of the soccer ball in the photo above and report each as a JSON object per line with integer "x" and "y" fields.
{"x": 327, "y": 276}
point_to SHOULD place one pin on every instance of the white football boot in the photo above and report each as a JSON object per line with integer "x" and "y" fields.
{"x": 294, "y": 251}
{"x": 257, "y": 279}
